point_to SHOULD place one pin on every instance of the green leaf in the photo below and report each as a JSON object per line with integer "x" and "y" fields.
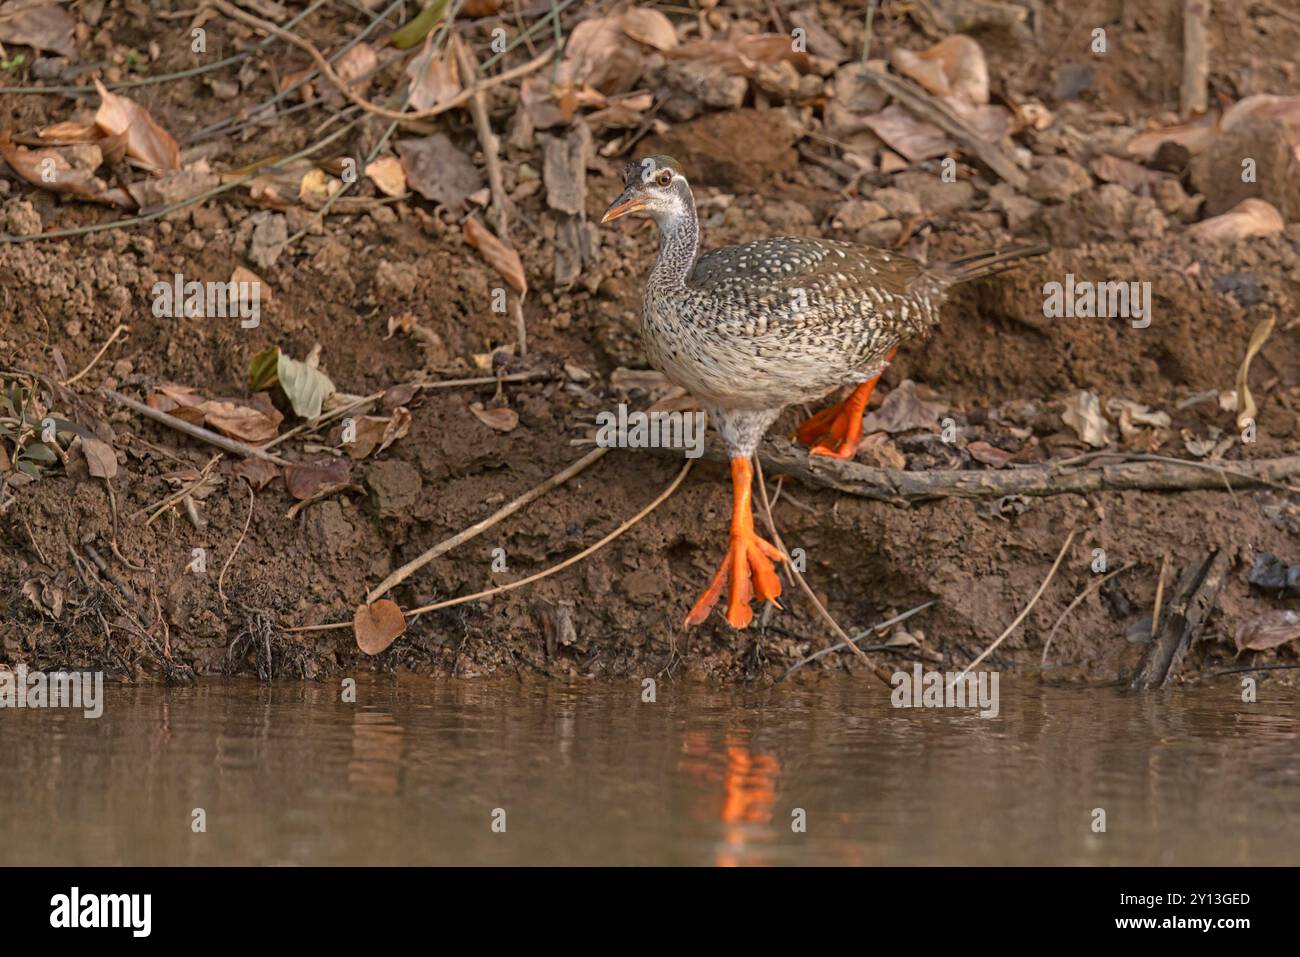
{"x": 306, "y": 387}
{"x": 31, "y": 468}
{"x": 39, "y": 452}
{"x": 262, "y": 369}
{"x": 418, "y": 27}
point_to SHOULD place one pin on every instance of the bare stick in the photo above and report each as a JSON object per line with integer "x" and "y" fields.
{"x": 1192, "y": 602}
{"x": 231, "y": 557}
{"x": 1020, "y": 617}
{"x": 659, "y": 500}
{"x": 341, "y": 85}
{"x": 121, "y": 328}
{"x": 478, "y": 528}
{"x": 194, "y": 431}
{"x": 1092, "y": 587}
{"x": 821, "y": 609}
{"x": 1160, "y": 594}
{"x": 861, "y": 636}
{"x": 486, "y": 138}
{"x": 1154, "y": 473}
{"x": 1196, "y": 69}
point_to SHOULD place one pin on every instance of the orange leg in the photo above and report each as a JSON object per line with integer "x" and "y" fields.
{"x": 836, "y": 431}
{"x": 748, "y": 563}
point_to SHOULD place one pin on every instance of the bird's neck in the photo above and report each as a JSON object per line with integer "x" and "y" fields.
{"x": 679, "y": 241}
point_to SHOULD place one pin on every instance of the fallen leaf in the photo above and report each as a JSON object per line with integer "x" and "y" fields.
{"x": 649, "y": 26}
{"x": 913, "y": 138}
{"x": 881, "y": 452}
{"x": 248, "y": 423}
{"x": 434, "y": 75}
{"x": 51, "y": 170}
{"x": 388, "y": 175}
{"x": 902, "y": 411}
{"x": 101, "y": 460}
{"x": 173, "y": 187}
{"x": 954, "y": 67}
{"x": 316, "y": 187}
{"x": 258, "y": 473}
{"x": 374, "y": 433}
{"x": 500, "y": 418}
{"x": 262, "y": 369}
{"x": 145, "y": 139}
{"x": 39, "y": 24}
{"x": 498, "y": 255}
{"x": 378, "y": 625}
{"x": 303, "y": 480}
{"x": 597, "y": 53}
{"x": 1268, "y": 630}
{"x": 1245, "y": 400}
{"x": 305, "y": 385}
{"x": 988, "y": 454}
{"x": 438, "y": 171}
{"x": 1250, "y": 217}
{"x": 1083, "y": 414}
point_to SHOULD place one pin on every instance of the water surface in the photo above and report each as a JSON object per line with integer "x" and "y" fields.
{"x": 416, "y": 772}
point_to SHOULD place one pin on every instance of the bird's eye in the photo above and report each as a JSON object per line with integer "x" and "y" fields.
{"x": 664, "y": 178}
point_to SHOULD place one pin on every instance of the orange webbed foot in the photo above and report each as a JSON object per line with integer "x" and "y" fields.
{"x": 749, "y": 567}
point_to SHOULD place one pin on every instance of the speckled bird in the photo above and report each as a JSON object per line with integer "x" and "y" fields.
{"x": 751, "y": 329}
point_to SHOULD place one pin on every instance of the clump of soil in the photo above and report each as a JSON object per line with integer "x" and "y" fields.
{"x": 86, "y": 581}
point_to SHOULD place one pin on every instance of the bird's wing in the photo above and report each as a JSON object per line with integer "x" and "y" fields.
{"x": 789, "y": 283}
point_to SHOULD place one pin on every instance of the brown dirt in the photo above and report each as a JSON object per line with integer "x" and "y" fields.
{"x": 339, "y": 287}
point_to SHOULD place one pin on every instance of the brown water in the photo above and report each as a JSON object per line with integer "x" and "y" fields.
{"x": 589, "y": 774}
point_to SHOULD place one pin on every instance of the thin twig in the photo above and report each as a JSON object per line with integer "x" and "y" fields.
{"x": 241, "y": 449}
{"x": 478, "y": 528}
{"x": 816, "y": 603}
{"x": 121, "y": 328}
{"x": 861, "y": 636}
{"x": 231, "y": 557}
{"x": 659, "y": 500}
{"x": 1160, "y": 594}
{"x": 1092, "y": 586}
{"x": 1020, "y": 617}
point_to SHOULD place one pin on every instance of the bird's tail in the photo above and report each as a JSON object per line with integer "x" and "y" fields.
{"x": 988, "y": 263}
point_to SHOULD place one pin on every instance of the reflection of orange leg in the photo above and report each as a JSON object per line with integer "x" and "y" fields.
{"x": 748, "y": 563}
{"x": 837, "y": 430}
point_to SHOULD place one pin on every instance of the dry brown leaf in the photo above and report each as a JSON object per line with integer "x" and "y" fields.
{"x": 101, "y": 460}
{"x": 378, "y": 625}
{"x": 902, "y": 411}
{"x": 1268, "y": 630}
{"x": 50, "y": 169}
{"x": 879, "y": 450}
{"x": 388, "y": 175}
{"x": 498, "y": 255}
{"x": 1246, "y": 401}
{"x": 1194, "y": 137}
{"x": 40, "y": 24}
{"x": 71, "y": 132}
{"x": 988, "y": 454}
{"x": 1083, "y": 414}
{"x": 438, "y": 170}
{"x": 356, "y": 67}
{"x": 303, "y": 480}
{"x": 598, "y": 54}
{"x": 649, "y": 26}
{"x": 912, "y": 137}
{"x": 374, "y": 433}
{"x": 258, "y": 473}
{"x": 501, "y": 418}
{"x": 145, "y": 139}
{"x": 954, "y": 67}
{"x": 435, "y": 77}
{"x": 1250, "y": 217}
{"x": 244, "y": 422}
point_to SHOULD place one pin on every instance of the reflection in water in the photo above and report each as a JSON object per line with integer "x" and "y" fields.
{"x": 588, "y": 774}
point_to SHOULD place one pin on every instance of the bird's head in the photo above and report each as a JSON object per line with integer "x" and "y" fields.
{"x": 655, "y": 186}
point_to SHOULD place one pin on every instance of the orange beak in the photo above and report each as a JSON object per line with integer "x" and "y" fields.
{"x": 626, "y": 203}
